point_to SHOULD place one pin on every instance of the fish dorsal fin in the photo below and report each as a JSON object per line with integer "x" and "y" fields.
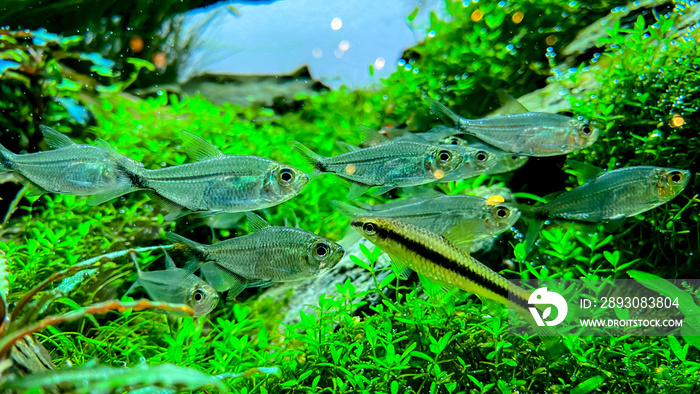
{"x": 197, "y": 148}
{"x": 54, "y": 138}
{"x": 169, "y": 263}
{"x": 346, "y": 147}
{"x": 509, "y": 105}
{"x": 132, "y": 254}
{"x": 370, "y": 136}
{"x": 586, "y": 171}
{"x": 442, "y": 112}
{"x": 107, "y": 147}
{"x": 255, "y": 222}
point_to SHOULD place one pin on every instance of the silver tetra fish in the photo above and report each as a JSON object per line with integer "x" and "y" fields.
{"x": 615, "y": 195}
{"x": 477, "y": 156}
{"x": 218, "y": 183}
{"x": 525, "y": 133}
{"x": 388, "y": 164}
{"x": 267, "y": 255}
{"x": 70, "y": 168}
{"x": 177, "y": 286}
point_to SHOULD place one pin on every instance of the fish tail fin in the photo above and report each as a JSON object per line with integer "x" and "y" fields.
{"x": 348, "y": 210}
{"x": 6, "y": 159}
{"x": 533, "y": 233}
{"x": 191, "y": 248}
{"x": 444, "y": 113}
{"x": 129, "y": 167}
{"x": 312, "y": 157}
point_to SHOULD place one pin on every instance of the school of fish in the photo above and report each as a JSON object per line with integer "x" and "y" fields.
{"x": 432, "y": 233}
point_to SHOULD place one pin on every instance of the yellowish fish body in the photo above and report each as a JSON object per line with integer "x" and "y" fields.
{"x": 437, "y": 259}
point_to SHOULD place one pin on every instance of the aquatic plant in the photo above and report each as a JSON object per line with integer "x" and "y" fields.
{"x": 391, "y": 338}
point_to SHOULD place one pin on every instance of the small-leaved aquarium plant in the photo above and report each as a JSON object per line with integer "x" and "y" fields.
{"x": 305, "y": 196}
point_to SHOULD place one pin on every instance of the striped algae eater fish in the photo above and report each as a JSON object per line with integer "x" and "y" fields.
{"x": 438, "y": 262}
{"x": 466, "y": 220}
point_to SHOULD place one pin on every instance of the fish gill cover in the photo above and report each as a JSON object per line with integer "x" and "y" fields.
{"x": 631, "y": 71}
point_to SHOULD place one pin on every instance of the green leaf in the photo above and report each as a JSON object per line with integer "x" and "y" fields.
{"x": 588, "y": 385}
{"x": 140, "y": 63}
{"x": 680, "y": 351}
{"x": 262, "y": 338}
{"x": 412, "y": 16}
{"x": 613, "y": 258}
{"x": 503, "y": 386}
{"x": 389, "y": 278}
{"x": 359, "y": 262}
{"x": 520, "y": 252}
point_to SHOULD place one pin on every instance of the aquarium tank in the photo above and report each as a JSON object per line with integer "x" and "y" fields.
{"x": 312, "y": 196}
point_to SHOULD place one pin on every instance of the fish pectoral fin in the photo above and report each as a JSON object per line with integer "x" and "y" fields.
{"x": 197, "y": 148}
{"x": 614, "y": 224}
{"x": 261, "y": 283}
{"x": 495, "y": 307}
{"x": 32, "y": 188}
{"x": 586, "y": 171}
{"x": 382, "y": 190}
{"x": 99, "y": 198}
{"x": 235, "y": 290}
{"x": 174, "y": 209}
{"x": 434, "y": 289}
{"x": 462, "y": 235}
{"x": 222, "y": 279}
{"x": 54, "y": 138}
{"x": 356, "y": 190}
{"x": 370, "y": 136}
{"x": 255, "y": 222}
{"x": 401, "y": 268}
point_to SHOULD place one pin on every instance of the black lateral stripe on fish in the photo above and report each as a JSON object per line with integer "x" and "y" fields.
{"x": 452, "y": 265}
